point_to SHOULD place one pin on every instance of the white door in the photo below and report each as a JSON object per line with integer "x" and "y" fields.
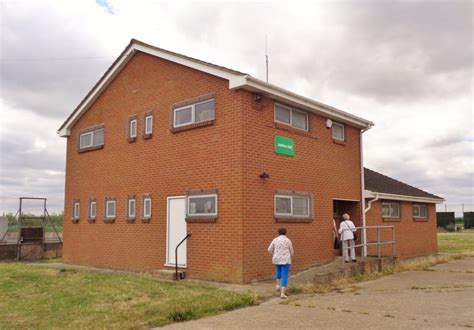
{"x": 176, "y": 230}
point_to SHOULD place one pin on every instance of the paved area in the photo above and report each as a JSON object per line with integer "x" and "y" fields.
{"x": 439, "y": 297}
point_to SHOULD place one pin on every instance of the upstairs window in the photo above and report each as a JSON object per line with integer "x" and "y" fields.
{"x": 194, "y": 113}
{"x": 92, "y": 209}
{"x": 148, "y": 124}
{"x": 390, "y": 210}
{"x": 420, "y": 211}
{"x": 132, "y": 128}
{"x": 338, "y": 131}
{"x": 292, "y": 117}
{"x": 110, "y": 208}
{"x": 131, "y": 205}
{"x": 91, "y": 139}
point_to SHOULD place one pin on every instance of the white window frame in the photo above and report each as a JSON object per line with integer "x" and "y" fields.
{"x": 291, "y": 116}
{"x": 343, "y": 131}
{"x": 419, "y": 206}
{"x": 134, "y": 208}
{"x": 89, "y": 145}
{"x": 131, "y": 134}
{"x": 148, "y": 128}
{"x": 146, "y": 216}
{"x": 92, "y": 216}
{"x": 291, "y": 214}
{"x": 76, "y": 210}
{"x": 107, "y": 215}
{"x": 91, "y": 133}
{"x": 188, "y": 208}
{"x": 390, "y": 208}
{"x": 193, "y": 113}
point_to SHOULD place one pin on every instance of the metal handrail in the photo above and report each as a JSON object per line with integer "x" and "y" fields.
{"x": 378, "y": 242}
{"x": 176, "y": 256}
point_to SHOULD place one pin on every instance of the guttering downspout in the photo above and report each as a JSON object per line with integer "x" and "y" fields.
{"x": 362, "y": 181}
{"x": 370, "y": 203}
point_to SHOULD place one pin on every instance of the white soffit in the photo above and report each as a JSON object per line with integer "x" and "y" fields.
{"x": 373, "y": 194}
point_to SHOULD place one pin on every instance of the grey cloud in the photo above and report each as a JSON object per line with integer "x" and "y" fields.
{"x": 47, "y": 64}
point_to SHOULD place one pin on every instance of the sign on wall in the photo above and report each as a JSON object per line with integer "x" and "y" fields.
{"x": 284, "y": 146}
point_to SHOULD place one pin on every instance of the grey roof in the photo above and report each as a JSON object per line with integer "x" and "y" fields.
{"x": 380, "y": 183}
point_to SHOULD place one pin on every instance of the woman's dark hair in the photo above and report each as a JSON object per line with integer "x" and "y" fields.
{"x": 281, "y": 231}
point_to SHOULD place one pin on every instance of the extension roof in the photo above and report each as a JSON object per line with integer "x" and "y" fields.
{"x": 236, "y": 80}
{"x": 385, "y": 187}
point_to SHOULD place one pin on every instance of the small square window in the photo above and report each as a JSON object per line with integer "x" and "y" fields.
{"x": 291, "y": 117}
{"x": 420, "y": 211}
{"x": 338, "y": 131}
{"x": 86, "y": 140}
{"x": 283, "y": 205}
{"x": 183, "y": 116}
{"x": 390, "y": 210}
{"x": 204, "y": 111}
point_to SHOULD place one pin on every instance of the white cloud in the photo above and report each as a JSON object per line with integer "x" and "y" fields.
{"x": 406, "y": 72}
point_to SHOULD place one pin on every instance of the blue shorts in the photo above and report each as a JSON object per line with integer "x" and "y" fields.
{"x": 282, "y": 272}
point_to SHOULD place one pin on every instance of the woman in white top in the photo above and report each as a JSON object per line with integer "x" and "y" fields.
{"x": 281, "y": 249}
{"x": 346, "y": 230}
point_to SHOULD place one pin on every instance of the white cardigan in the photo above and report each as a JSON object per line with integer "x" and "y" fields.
{"x": 346, "y": 229}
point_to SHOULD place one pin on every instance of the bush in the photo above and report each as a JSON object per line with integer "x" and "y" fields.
{"x": 451, "y": 227}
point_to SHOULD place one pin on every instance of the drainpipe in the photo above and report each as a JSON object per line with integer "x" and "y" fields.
{"x": 370, "y": 203}
{"x": 362, "y": 181}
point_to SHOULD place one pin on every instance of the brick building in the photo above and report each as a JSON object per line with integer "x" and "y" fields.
{"x": 165, "y": 145}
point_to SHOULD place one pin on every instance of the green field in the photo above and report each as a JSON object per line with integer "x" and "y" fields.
{"x": 461, "y": 242}
{"x": 43, "y": 297}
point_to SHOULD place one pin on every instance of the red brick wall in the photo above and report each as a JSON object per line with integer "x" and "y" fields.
{"x": 413, "y": 237}
{"x": 320, "y": 166}
{"x": 168, "y": 164}
{"x": 228, "y": 155}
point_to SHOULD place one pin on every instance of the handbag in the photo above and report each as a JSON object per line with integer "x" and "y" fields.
{"x": 355, "y": 235}
{"x": 337, "y": 243}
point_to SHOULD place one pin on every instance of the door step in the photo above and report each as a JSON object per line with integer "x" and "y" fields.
{"x": 169, "y": 274}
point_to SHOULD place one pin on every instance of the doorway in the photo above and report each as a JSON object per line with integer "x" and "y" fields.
{"x": 176, "y": 230}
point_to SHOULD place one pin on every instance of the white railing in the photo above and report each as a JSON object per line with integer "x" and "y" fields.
{"x": 377, "y": 242}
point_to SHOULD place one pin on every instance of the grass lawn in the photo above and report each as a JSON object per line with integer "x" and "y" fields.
{"x": 460, "y": 242}
{"x": 43, "y": 297}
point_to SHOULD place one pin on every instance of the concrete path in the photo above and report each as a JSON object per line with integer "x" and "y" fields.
{"x": 436, "y": 298}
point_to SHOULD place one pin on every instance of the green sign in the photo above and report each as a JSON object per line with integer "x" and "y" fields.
{"x": 284, "y": 145}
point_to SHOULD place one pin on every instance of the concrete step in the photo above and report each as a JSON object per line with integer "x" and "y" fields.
{"x": 335, "y": 270}
{"x": 169, "y": 274}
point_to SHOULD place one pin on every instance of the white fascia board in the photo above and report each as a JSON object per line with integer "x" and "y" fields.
{"x": 128, "y": 54}
{"x": 374, "y": 194}
{"x": 284, "y": 95}
{"x": 105, "y": 81}
{"x": 187, "y": 62}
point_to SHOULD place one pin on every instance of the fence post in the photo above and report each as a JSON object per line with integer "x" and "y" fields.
{"x": 378, "y": 240}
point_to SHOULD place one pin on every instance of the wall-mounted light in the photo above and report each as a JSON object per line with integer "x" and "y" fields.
{"x": 328, "y": 123}
{"x": 264, "y": 176}
{"x": 257, "y": 97}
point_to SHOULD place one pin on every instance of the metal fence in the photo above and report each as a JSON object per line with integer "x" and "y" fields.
{"x": 374, "y": 237}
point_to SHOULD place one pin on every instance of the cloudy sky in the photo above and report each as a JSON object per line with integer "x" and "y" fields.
{"x": 405, "y": 65}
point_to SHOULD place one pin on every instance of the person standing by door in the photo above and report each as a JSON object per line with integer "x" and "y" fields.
{"x": 281, "y": 250}
{"x": 346, "y": 230}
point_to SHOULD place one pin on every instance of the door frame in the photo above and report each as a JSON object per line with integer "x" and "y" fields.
{"x": 167, "y": 231}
